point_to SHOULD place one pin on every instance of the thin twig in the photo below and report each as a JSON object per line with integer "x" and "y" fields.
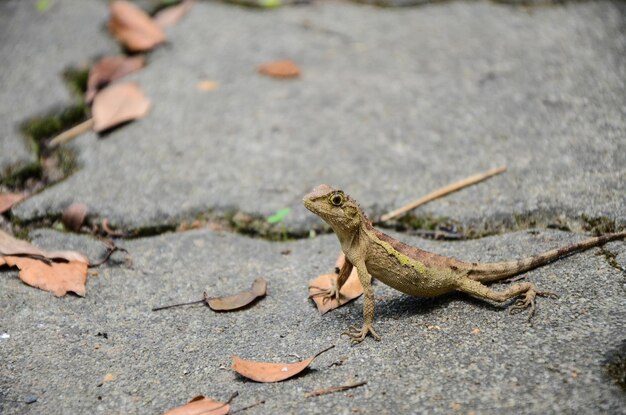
{"x": 248, "y": 407}
{"x": 178, "y": 305}
{"x": 110, "y": 251}
{"x": 453, "y": 187}
{"x": 334, "y": 389}
{"x": 323, "y": 351}
{"x": 72, "y": 133}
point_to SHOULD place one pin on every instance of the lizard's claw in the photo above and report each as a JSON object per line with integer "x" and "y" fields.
{"x": 327, "y": 294}
{"x": 357, "y": 336}
{"x": 529, "y": 302}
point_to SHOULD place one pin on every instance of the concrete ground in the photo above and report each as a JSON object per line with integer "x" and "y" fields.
{"x": 392, "y": 103}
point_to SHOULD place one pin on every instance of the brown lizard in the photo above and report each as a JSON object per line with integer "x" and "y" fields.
{"x": 417, "y": 272}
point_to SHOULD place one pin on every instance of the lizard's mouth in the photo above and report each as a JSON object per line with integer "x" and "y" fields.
{"x": 320, "y": 191}
{"x": 308, "y": 203}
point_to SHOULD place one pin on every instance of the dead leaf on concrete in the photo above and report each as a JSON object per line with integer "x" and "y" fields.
{"x": 10, "y": 246}
{"x": 41, "y": 269}
{"x": 118, "y": 104}
{"x": 351, "y": 290}
{"x": 7, "y": 200}
{"x": 207, "y": 85}
{"x": 271, "y": 372}
{"x": 133, "y": 27}
{"x": 110, "y": 68}
{"x": 201, "y": 405}
{"x": 74, "y": 216}
{"x": 56, "y": 277}
{"x": 280, "y": 69}
{"x": 239, "y": 300}
{"x": 171, "y": 15}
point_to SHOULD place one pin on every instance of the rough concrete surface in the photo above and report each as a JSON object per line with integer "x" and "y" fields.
{"x": 35, "y": 48}
{"x": 391, "y": 105}
{"x": 429, "y": 359}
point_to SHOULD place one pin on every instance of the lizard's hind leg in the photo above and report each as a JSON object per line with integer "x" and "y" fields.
{"x": 527, "y": 289}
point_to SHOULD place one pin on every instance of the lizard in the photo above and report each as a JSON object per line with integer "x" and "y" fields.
{"x": 417, "y": 272}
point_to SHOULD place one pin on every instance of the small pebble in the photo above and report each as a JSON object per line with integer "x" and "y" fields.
{"x": 30, "y": 399}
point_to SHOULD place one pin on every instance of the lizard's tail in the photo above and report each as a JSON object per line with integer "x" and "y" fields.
{"x": 499, "y": 270}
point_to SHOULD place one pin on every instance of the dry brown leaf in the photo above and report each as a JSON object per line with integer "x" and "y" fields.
{"x": 118, "y": 104}
{"x": 171, "y": 15}
{"x": 7, "y": 200}
{"x": 109, "y": 377}
{"x": 271, "y": 372}
{"x": 110, "y": 68}
{"x": 351, "y": 289}
{"x": 201, "y": 405}
{"x": 280, "y": 69}
{"x": 341, "y": 260}
{"x": 207, "y": 85}
{"x": 74, "y": 215}
{"x": 241, "y": 299}
{"x": 133, "y": 27}
{"x": 9, "y": 246}
{"x": 56, "y": 277}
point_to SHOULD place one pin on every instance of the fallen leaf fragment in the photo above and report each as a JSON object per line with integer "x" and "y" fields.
{"x": 207, "y": 85}
{"x": 241, "y": 299}
{"x": 334, "y": 389}
{"x": 201, "y": 405}
{"x": 10, "y": 246}
{"x": 280, "y": 69}
{"x": 109, "y": 377}
{"x": 133, "y": 27}
{"x": 271, "y": 372}
{"x": 110, "y": 68}
{"x": 351, "y": 290}
{"x": 74, "y": 216}
{"x": 171, "y": 15}
{"x": 7, "y": 200}
{"x": 56, "y": 277}
{"x": 118, "y": 104}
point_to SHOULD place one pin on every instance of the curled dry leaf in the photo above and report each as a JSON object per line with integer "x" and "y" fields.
{"x": 351, "y": 290}
{"x": 271, "y": 372}
{"x": 74, "y": 216}
{"x": 9, "y": 246}
{"x": 171, "y": 15}
{"x": 133, "y": 27}
{"x": 7, "y": 200}
{"x": 38, "y": 269}
{"x": 241, "y": 299}
{"x": 56, "y": 277}
{"x": 201, "y": 405}
{"x": 118, "y": 104}
{"x": 280, "y": 69}
{"x": 110, "y": 68}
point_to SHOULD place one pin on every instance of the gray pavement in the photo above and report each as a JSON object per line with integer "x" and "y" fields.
{"x": 60, "y": 349}
{"x": 35, "y": 49}
{"x": 391, "y": 104}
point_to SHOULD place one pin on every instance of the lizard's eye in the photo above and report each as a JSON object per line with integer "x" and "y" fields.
{"x": 336, "y": 199}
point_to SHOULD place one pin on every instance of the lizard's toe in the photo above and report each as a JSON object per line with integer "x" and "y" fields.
{"x": 358, "y": 335}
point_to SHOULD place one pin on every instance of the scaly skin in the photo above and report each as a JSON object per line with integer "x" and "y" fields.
{"x": 417, "y": 272}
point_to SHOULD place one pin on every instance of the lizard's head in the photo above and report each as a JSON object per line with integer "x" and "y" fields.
{"x": 339, "y": 210}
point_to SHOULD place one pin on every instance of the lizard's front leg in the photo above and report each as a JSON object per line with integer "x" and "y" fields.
{"x": 332, "y": 293}
{"x": 354, "y": 333}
